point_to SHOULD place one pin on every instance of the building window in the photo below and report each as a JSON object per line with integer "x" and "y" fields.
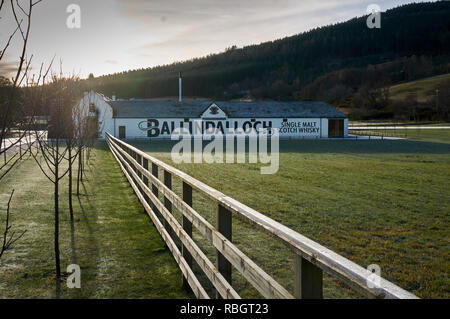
{"x": 91, "y": 108}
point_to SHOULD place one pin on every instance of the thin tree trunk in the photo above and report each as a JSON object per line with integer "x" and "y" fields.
{"x": 79, "y": 172}
{"x": 70, "y": 182}
{"x": 57, "y": 261}
{"x": 82, "y": 165}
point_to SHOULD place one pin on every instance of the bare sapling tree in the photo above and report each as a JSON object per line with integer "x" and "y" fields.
{"x": 14, "y": 118}
{"x": 9, "y": 236}
{"x": 52, "y": 152}
{"x": 70, "y": 142}
{"x": 94, "y": 125}
{"x": 86, "y": 119}
{"x": 80, "y": 166}
{"x": 80, "y": 129}
{"x": 91, "y": 136}
{"x": 74, "y": 141}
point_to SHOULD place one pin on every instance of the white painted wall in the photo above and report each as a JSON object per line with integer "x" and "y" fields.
{"x": 136, "y": 128}
{"x": 293, "y": 128}
{"x": 131, "y": 128}
{"x": 104, "y": 111}
{"x": 324, "y": 125}
{"x": 346, "y": 127}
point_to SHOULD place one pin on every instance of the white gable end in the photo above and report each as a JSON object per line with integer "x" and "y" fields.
{"x": 213, "y": 112}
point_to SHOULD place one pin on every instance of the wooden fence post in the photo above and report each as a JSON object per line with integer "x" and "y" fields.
{"x": 155, "y": 188}
{"x": 138, "y": 172}
{"x": 187, "y": 226}
{"x": 133, "y": 167}
{"x": 167, "y": 203}
{"x": 139, "y": 160}
{"x": 224, "y": 227}
{"x": 308, "y": 282}
{"x": 124, "y": 158}
{"x": 144, "y": 178}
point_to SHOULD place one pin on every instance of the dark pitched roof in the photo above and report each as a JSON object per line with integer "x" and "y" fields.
{"x": 193, "y": 109}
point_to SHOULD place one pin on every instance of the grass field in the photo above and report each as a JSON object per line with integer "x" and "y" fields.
{"x": 423, "y": 135}
{"x": 382, "y": 202}
{"x": 437, "y": 135}
{"x": 425, "y": 88}
{"x": 120, "y": 253}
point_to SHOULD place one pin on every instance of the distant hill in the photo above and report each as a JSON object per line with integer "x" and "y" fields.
{"x": 413, "y": 42}
{"x": 424, "y": 88}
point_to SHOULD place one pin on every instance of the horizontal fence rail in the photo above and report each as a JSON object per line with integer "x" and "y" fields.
{"x": 379, "y": 133}
{"x": 310, "y": 258}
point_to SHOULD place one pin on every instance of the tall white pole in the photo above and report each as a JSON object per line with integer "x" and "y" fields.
{"x": 180, "y": 89}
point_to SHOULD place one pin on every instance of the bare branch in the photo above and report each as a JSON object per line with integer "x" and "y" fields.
{"x": 2, "y": 53}
{"x": 17, "y": 2}
{"x": 25, "y": 73}
{"x": 10, "y": 165}
{"x": 17, "y": 20}
{"x": 42, "y": 168}
{"x": 7, "y": 242}
{"x": 35, "y": 3}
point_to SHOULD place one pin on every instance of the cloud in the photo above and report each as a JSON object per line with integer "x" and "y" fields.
{"x": 184, "y": 29}
{"x": 8, "y": 69}
{"x": 117, "y": 35}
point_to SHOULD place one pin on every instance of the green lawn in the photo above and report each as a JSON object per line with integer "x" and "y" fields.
{"x": 435, "y": 135}
{"x": 120, "y": 253}
{"x": 382, "y": 202}
{"x": 423, "y": 135}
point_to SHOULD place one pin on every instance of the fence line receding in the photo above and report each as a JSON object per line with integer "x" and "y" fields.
{"x": 310, "y": 258}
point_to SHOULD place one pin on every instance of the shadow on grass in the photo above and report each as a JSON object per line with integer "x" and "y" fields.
{"x": 72, "y": 241}
{"x": 58, "y": 288}
{"x": 94, "y": 249}
{"x": 87, "y": 222}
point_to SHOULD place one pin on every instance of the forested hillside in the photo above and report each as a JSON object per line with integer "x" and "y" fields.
{"x": 347, "y": 64}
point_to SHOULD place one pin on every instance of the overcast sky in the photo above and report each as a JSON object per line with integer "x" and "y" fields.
{"x": 118, "y": 35}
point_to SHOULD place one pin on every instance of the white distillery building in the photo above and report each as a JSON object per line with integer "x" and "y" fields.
{"x": 141, "y": 119}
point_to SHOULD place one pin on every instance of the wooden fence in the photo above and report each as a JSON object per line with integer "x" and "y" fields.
{"x": 397, "y": 133}
{"x": 310, "y": 258}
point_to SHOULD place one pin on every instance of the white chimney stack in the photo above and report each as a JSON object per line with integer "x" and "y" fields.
{"x": 180, "y": 89}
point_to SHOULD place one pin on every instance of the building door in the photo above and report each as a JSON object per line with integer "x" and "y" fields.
{"x": 336, "y": 128}
{"x": 122, "y": 133}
